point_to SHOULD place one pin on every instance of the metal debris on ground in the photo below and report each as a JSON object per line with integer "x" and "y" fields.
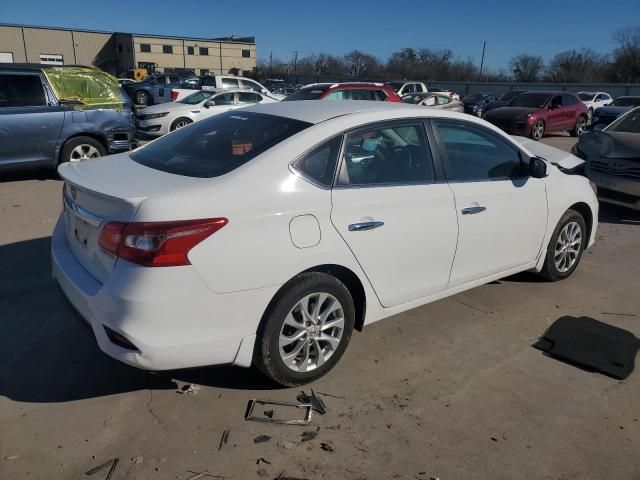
{"x": 327, "y": 447}
{"x": 262, "y": 460}
{"x": 191, "y": 389}
{"x": 113, "y": 463}
{"x": 316, "y": 402}
{"x": 261, "y": 439}
{"x": 309, "y": 435}
{"x": 308, "y": 410}
{"x": 331, "y": 395}
{"x": 224, "y": 439}
{"x": 282, "y": 477}
{"x": 268, "y": 413}
{"x": 11, "y": 457}
{"x": 286, "y": 444}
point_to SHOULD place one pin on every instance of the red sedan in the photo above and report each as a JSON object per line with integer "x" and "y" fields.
{"x": 533, "y": 114}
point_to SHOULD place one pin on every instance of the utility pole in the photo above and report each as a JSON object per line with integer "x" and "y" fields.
{"x": 295, "y": 64}
{"x": 271, "y": 63}
{"x": 484, "y": 45}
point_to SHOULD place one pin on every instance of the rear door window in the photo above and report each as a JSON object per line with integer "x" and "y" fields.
{"x": 225, "y": 99}
{"x": 208, "y": 82}
{"x": 21, "y": 91}
{"x": 248, "y": 97}
{"x": 362, "y": 94}
{"x": 230, "y": 83}
{"x": 382, "y": 95}
{"x": 391, "y": 154}
{"x": 337, "y": 95}
{"x": 217, "y": 146}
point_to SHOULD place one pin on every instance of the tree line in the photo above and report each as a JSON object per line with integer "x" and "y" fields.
{"x": 622, "y": 65}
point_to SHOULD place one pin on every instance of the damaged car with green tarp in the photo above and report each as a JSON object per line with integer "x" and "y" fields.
{"x": 55, "y": 114}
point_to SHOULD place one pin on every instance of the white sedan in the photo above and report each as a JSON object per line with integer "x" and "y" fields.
{"x": 157, "y": 120}
{"x": 267, "y": 235}
{"x": 594, "y": 100}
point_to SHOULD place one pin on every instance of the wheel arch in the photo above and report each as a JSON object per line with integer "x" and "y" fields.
{"x": 346, "y": 276}
{"x": 584, "y": 210}
{"x": 97, "y": 137}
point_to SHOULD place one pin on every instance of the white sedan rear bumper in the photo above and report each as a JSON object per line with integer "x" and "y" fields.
{"x": 168, "y": 313}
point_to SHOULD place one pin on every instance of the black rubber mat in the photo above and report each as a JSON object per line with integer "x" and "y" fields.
{"x": 591, "y": 344}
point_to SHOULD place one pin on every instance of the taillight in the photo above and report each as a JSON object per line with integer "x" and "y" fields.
{"x": 157, "y": 244}
{"x": 174, "y": 95}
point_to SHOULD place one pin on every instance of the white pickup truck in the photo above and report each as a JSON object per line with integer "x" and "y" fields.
{"x": 210, "y": 83}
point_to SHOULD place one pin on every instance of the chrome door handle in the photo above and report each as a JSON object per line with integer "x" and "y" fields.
{"x": 364, "y": 226}
{"x": 473, "y": 210}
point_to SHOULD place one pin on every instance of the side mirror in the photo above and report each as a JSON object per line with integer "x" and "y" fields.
{"x": 537, "y": 167}
{"x": 209, "y": 103}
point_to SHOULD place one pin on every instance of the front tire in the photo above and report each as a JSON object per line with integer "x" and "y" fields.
{"x": 305, "y": 330}
{"x": 565, "y": 247}
{"x": 581, "y": 124}
{"x": 79, "y": 149}
{"x": 537, "y": 131}
{"x": 590, "y": 115}
{"x": 179, "y": 123}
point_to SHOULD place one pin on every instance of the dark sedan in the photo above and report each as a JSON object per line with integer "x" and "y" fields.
{"x": 504, "y": 99}
{"x": 476, "y": 103}
{"x": 612, "y": 159}
{"x": 603, "y": 116}
{"x": 533, "y": 114}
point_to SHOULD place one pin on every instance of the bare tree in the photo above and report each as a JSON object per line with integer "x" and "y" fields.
{"x": 627, "y": 54}
{"x": 526, "y": 68}
{"x": 360, "y": 64}
{"x": 578, "y": 66}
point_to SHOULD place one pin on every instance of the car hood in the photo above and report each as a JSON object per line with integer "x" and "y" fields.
{"x": 610, "y": 145}
{"x": 563, "y": 159}
{"x": 510, "y": 113}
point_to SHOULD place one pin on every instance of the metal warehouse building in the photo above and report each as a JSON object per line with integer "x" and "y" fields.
{"x": 117, "y": 52}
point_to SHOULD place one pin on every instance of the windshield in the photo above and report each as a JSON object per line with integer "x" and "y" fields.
{"x": 586, "y": 97}
{"x": 310, "y": 94}
{"x": 195, "y": 98}
{"x": 626, "y": 102}
{"x": 218, "y": 145}
{"x": 508, "y": 96}
{"x": 474, "y": 96}
{"x": 530, "y": 100}
{"x": 628, "y": 123}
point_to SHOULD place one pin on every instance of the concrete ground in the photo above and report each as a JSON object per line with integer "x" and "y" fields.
{"x": 451, "y": 390}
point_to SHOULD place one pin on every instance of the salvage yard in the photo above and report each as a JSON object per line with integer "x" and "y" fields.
{"x": 451, "y": 390}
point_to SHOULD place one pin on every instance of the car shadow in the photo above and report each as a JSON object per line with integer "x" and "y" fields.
{"x": 616, "y": 215}
{"x": 48, "y": 353}
{"x": 29, "y": 174}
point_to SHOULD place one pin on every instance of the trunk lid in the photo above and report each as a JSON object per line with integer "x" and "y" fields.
{"x": 103, "y": 190}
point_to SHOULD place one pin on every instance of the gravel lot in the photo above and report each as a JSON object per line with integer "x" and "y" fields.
{"x": 452, "y": 390}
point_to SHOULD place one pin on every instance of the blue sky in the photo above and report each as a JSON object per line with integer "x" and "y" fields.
{"x": 377, "y": 27}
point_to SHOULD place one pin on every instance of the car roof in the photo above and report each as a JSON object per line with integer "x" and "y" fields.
{"x": 426, "y": 94}
{"x": 37, "y": 66}
{"x": 314, "y": 111}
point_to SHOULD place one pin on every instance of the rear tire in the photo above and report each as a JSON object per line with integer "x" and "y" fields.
{"x": 565, "y": 247}
{"x": 79, "y": 149}
{"x": 294, "y": 347}
{"x": 141, "y": 98}
{"x": 581, "y": 123}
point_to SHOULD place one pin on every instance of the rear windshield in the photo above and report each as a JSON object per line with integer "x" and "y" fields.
{"x": 586, "y": 97}
{"x": 308, "y": 94}
{"x": 218, "y": 145}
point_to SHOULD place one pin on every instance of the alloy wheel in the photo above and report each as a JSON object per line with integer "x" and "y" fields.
{"x": 83, "y": 152}
{"x": 181, "y": 123}
{"x": 311, "y": 332}
{"x": 568, "y": 247}
{"x": 580, "y": 125}
{"x": 538, "y": 130}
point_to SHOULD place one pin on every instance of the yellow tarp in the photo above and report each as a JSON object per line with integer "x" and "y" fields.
{"x": 92, "y": 88}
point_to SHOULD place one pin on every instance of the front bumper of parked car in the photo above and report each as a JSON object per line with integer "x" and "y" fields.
{"x": 614, "y": 188}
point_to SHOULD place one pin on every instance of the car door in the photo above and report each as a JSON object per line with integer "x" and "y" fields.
{"x": 501, "y": 210}
{"x": 30, "y": 121}
{"x": 556, "y": 116}
{"x": 395, "y": 214}
{"x": 159, "y": 86}
{"x": 570, "y": 105}
{"x": 223, "y": 102}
